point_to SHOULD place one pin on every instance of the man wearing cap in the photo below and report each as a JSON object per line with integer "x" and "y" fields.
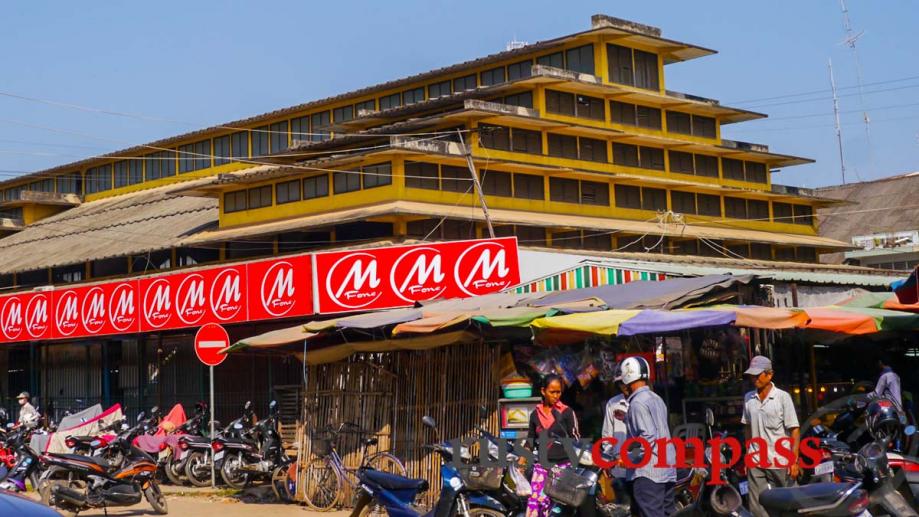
{"x": 769, "y": 416}
{"x": 27, "y": 411}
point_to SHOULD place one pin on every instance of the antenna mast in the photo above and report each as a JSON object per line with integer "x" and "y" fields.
{"x": 851, "y": 39}
{"x": 842, "y": 161}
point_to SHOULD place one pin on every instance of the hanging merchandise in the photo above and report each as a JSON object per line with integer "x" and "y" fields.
{"x": 674, "y": 356}
{"x": 607, "y": 364}
{"x": 567, "y": 368}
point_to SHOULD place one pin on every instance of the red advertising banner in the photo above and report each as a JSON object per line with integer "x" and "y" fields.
{"x": 275, "y": 288}
{"x": 399, "y": 276}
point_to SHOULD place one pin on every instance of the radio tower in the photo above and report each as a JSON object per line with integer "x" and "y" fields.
{"x": 851, "y": 39}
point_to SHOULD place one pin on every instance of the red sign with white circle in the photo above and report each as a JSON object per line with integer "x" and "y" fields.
{"x": 209, "y": 341}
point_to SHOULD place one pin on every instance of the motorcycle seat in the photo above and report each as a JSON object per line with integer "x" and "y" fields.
{"x": 196, "y": 440}
{"x": 395, "y": 482}
{"x": 805, "y": 496}
{"x": 84, "y": 459}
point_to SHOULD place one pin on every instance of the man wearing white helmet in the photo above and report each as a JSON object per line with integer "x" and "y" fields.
{"x": 647, "y": 420}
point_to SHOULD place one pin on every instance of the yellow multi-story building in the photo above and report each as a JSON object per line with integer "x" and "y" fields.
{"x": 576, "y": 141}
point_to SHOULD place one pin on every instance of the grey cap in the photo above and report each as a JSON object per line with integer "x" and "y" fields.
{"x": 23, "y": 395}
{"x": 758, "y": 365}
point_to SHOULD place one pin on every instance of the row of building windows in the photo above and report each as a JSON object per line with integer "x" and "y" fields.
{"x": 366, "y": 177}
{"x": 504, "y": 138}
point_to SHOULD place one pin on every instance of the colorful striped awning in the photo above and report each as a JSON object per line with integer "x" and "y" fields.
{"x": 587, "y": 276}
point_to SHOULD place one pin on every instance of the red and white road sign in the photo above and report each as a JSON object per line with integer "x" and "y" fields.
{"x": 211, "y": 339}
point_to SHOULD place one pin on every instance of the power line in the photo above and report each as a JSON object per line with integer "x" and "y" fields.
{"x": 822, "y": 91}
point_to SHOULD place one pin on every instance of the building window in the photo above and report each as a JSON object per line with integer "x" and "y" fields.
{"x": 495, "y": 137}
{"x": 222, "y": 150}
{"x": 760, "y": 251}
{"x": 259, "y": 197}
{"x": 46, "y": 185}
{"x": 590, "y": 107}
{"x": 593, "y": 150}
{"x": 653, "y": 199}
{"x": 628, "y": 196}
{"x": 709, "y": 205}
{"x": 319, "y": 126}
{"x": 288, "y": 191}
{"x": 651, "y": 158}
{"x": 569, "y": 239}
{"x": 316, "y": 186}
{"x": 300, "y": 130}
{"x": 706, "y": 166}
{"x": 260, "y": 144}
{"x": 69, "y": 183}
{"x": 703, "y": 126}
{"x": 128, "y": 172}
{"x": 683, "y": 202}
{"x": 462, "y": 84}
{"x": 528, "y": 186}
{"x": 782, "y": 213}
{"x": 554, "y": 59}
{"x": 560, "y": 102}
{"x": 496, "y": 183}
{"x": 526, "y": 141}
{"x": 493, "y": 76}
{"x": 377, "y": 175}
{"x": 563, "y": 146}
{"x": 99, "y": 179}
{"x": 67, "y": 274}
{"x": 192, "y": 256}
{"x": 160, "y": 165}
{"x": 436, "y": 90}
{"x": 234, "y": 201}
{"x": 633, "y": 67}
{"x": 240, "y": 144}
{"x": 806, "y": 254}
{"x": 422, "y": 175}
{"x": 679, "y": 122}
{"x": 520, "y": 70}
{"x": 415, "y": 95}
{"x": 594, "y": 193}
{"x": 102, "y": 268}
{"x": 733, "y": 169}
{"x": 390, "y": 101}
{"x": 366, "y": 106}
{"x": 803, "y": 214}
{"x": 523, "y": 99}
{"x": 755, "y": 172}
{"x": 625, "y": 155}
{"x": 455, "y": 179}
{"x": 195, "y": 156}
{"x": 278, "y": 137}
{"x": 735, "y": 207}
{"x": 580, "y": 59}
{"x": 635, "y": 115}
{"x": 758, "y": 210}
{"x": 681, "y": 162}
{"x": 343, "y": 114}
{"x": 784, "y": 254}
{"x": 563, "y": 190}
{"x": 647, "y": 117}
{"x": 597, "y": 241}
{"x": 346, "y": 181}
{"x": 290, "y": 242}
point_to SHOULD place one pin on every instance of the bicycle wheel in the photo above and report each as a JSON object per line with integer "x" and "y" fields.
{"x": 386, "y": 462}
{"x": 322, "y": 485}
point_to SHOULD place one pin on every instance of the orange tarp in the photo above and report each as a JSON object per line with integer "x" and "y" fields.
{"x": 773, "y": 318}
{"x": 835, "y": 320}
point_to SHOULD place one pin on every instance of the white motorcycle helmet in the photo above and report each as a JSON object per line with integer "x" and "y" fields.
{"x": 30, "y": 421}
{"x": 633, "y": 369}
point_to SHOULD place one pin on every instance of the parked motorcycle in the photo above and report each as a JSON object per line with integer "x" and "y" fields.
{"x": 25, "y": 465}
{"x": 397, "y": 494}
{"x": 173, "y": 458}
{"x": 873, "y": 494}
{"x": 200, "y": 452}
{"x": 256, "y": 453}
{"x": 85, "y": 482}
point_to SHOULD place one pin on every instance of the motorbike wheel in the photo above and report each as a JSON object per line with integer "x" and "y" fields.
{"x": 484, "y": 512}
{"x": 156, "y": 498}
{"x": 173, "y": 472}
{"x": 322, "y": 485}
{"x": 232, "y": 475}
{"x": 386, "y": 462}
{"x": 195, "y": 470}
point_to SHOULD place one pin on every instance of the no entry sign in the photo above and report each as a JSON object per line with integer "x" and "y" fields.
{"x": 211, "y": 339}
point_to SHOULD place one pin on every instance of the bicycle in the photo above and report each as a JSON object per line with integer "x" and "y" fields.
{"x": 326, "y": 475}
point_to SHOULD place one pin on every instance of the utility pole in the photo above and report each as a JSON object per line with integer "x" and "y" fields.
{"x": 842, "y": 161}
{"x": 467, "y": 151}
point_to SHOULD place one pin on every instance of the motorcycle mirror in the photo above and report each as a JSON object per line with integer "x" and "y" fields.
{"x": 909, "y": 430}
{"x": 10, "y": 425}
{"x": 237, "y": 425}
{"x": 124, "y": 427}
{"x": 429, "y": 422}
{"x": 140, "y": 416}
{"x": 709, "y": 417}
{"x": 248, "y": 405}
{"x": 273, "y": 405}
{"x": 154, "y": 410}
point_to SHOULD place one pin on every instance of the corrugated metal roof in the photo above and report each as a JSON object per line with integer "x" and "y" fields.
{"x": 125, "y": 225}
{"x": 539, "y": 263}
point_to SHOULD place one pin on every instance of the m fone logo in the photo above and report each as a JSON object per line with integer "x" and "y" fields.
{"x": 418, "y": 275}
{"x": 278, "y": 289}
{"x": 37, "y": 316}
{"x": 360, "y": 285}
{"x": 190, "y": 304}
{"x": 93, "y": 310}
{"x": 225, "y": 294}
{"x": 11, "y": 317}
{"x": 158, "y": 303}
{"x": 121, "y": 311}
{"x": 67, "y": 314}
{"x": 482, "y": 268}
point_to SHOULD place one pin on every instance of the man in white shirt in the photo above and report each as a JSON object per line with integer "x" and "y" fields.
{"x": 614, "y": 427}
{"x": 27, "y": 412}
{"x": 769, "y": 416}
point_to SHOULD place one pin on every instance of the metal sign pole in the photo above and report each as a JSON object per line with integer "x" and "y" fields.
{"x": 213, "y": 461}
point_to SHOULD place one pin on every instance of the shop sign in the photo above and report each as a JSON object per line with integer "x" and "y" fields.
{"x": 399, "y": 276}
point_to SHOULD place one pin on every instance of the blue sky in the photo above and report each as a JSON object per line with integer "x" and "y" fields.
{"x": 206, "y": 62}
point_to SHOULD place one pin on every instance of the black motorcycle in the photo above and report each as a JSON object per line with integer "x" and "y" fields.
{"x": 201, "y": 452}
{"x": 173, "y": 459}
{"x": 255, "y": 454}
